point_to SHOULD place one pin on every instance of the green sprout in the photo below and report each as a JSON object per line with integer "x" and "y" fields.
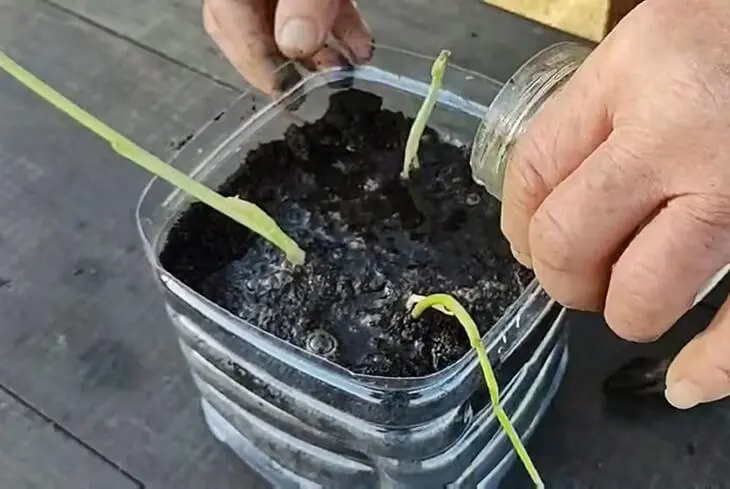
{"x": 241, "y": 211}
{"x": 447, "y": 304}
{"x": 410, "y": 158}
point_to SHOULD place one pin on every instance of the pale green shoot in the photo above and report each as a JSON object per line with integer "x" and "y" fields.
{"x": 445, "y": 301}
{"x": 410, "y": 158}
{"x": 241, "y": 211}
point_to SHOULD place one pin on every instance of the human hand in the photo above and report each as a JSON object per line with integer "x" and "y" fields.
{"x": 259, "y": 36}
{"x": 618, "y": 193}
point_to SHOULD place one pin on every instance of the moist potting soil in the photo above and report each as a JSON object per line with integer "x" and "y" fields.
{"x": 371, "y": 241}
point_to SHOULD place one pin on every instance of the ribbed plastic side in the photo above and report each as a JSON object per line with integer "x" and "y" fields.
{"x": 299, "y": 431}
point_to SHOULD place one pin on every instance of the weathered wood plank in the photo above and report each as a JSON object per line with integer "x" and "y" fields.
{"x": 482, "y": 37}
{"x": 35, "y": 453}
{"x": 82, "y": 331}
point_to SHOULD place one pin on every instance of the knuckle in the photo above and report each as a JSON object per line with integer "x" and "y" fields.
{"x": 707, "y": 219}
{"x": 624, "y": 151}
{"x": 551, "y": 241}
{"x": 527, "y": 177}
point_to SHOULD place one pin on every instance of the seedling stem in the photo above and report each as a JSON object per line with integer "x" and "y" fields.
{"x": 410, "y": 158}
{"x": 441, "y": 302}
{"x": 241, "y": 211}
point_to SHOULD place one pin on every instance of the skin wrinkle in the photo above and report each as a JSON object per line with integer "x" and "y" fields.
{"x": 526, "y": 177}
{"x": 556, "y": 250}
{"x": 574, "y": 265}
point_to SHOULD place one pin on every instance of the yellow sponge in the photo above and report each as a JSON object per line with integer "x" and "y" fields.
{"x": 584, "y": 18}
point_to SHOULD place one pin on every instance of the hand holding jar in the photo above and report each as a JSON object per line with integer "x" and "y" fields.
{"x": 618, "y": 192}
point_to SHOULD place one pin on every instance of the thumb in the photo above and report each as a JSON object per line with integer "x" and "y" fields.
{"x": 301, "y": 26}
{"x": 701, "y": 371}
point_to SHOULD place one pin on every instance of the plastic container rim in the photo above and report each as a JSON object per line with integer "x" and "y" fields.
{"x": 510, "y": 319}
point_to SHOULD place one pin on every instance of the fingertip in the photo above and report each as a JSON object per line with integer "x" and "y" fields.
{"x": 683, "y": 394}
{"x": 700, "y": 373}
{"x": 632, "y": 323}
{"x": 301, "y": 26}
{"x": 523, "y": 258}
{"x": 299, "y": 37}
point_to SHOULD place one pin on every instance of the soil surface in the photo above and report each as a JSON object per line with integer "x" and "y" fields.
{"x": 370, "y": 240}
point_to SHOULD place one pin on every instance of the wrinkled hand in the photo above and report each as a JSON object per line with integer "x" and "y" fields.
{"x": 618, "y": 193}
{"x": 259, "y": 36}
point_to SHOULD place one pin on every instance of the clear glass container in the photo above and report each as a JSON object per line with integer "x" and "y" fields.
{"x": 302, "y": 421}
{"x": 510, "y": 111}
{"x": 517, "y": 102}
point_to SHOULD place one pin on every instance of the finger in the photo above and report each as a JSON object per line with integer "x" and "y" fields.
{"x": 350, "y": 28}
{"x": 302, "y": 26}
{"x": 655, "y": 280}
{"x": 242, "y": 29}
{"x": 564, "y": 132}
{"x": 701, "y": 371}
{"x": 327, "y": 57}
{"x": 581, "y": 227}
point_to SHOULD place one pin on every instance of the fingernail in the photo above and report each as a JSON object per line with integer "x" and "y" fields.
{"x": 362, "y": 53}
{"x": 298, "y": 35}
{"x": 367, "y": 56}
{"x": 683, "y": 394}
{"x": 523, "y": 258}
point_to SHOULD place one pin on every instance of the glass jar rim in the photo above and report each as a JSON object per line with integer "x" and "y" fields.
{"x": 520, "y": 97}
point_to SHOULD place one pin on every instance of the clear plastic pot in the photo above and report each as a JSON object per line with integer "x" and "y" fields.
{"x": 302, "y": 421}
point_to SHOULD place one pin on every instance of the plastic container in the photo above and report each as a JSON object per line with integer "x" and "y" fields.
{"x": 301, "y": 421}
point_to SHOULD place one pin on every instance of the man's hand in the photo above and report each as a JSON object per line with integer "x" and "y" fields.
{"x": 259, "y": 36}
{"x": 618, "y": 194}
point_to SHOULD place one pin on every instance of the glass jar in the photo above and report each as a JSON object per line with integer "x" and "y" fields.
{"x": 517, "y": 102}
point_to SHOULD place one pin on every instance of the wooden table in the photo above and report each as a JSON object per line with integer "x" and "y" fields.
{"x": 93, "y": 389}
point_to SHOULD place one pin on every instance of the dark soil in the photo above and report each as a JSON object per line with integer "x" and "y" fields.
{"x": 334, "y": 186}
